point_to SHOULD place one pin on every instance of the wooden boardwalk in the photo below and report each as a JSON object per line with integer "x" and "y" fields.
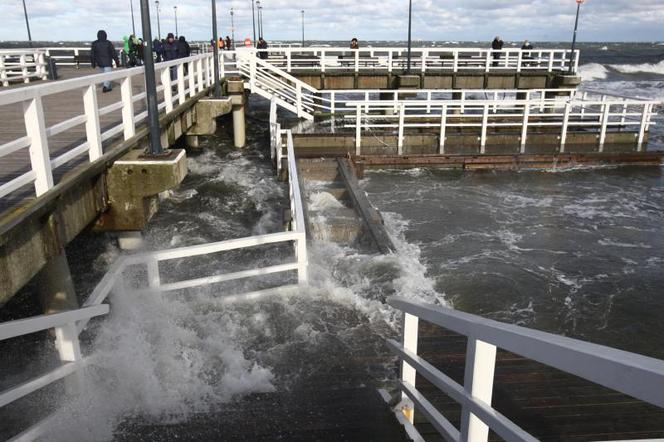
{"x": 550, "y": 404}
{"x": 57, "y": 108}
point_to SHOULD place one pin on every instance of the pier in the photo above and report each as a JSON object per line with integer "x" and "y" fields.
{"x": 73, "y": 159}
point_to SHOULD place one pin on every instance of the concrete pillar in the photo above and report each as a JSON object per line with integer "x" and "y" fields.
{"x": 130, "y": 240}
{"x": 238, "y": 100}
{"x": 192, "y": 142}
{"x": 56, "y": 288}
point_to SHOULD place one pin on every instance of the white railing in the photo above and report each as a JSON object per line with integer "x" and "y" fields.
{"x": 22, "y": 65}
{"x": 192, "y": 76}
{"x": 68, "y": 325}
{"x": 602, "y": 115}
{"x": 423, "y": 60}
{"x": 632, "y": 374}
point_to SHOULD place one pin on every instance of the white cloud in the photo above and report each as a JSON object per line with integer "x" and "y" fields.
{"x": 612, "y": 20}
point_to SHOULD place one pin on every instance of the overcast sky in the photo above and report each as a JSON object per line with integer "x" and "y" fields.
{"x": 439, "y": 20}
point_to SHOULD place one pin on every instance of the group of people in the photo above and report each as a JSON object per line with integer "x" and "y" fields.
{"x": 133, "y": 50}
{"x": 497, "y": 45}
{"x": 225, "y": 44}
{"x": 170, "y": 48}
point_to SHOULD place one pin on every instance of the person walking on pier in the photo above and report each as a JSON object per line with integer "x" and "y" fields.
{"x": 102, "y": 56}
{"x": 497, "y": 46}
{"x": 354, "y": 43}
{"x": 158, "y": 49}
{"x": 527, "y": 47}
{"x": 184, "y": 50}
{"x": 229, "y": 44}
{"x": 262, "y": 47}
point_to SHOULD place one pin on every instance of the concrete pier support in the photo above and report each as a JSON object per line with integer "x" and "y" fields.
{"x": 130, "y": 240}
{"x": 238, "y": 100}
{"x": 56, "y": 287}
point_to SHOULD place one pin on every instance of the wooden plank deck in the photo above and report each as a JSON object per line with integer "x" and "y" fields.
{"x": 58, "y": 108}
{"x": 550, "y": 404}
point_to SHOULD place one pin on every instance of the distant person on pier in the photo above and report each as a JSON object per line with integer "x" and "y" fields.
{"x": 262, "y": 46}
{"x": 354, "y": 43}
{"x": 170, "y": 48}
{"x": 102, "y": 56}
{"x": 229, "y": 44}
{"x": 497, "y": 45}
{"x": 158, "y": 49}
{"x": 220, "y": 44}
{"x": 184, "y": 50}
{"x": 527, "y": 56}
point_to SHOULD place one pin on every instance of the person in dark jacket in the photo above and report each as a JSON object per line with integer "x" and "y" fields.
{"x": 170, "y": 48}
{"x": 527, "y": 55}
{"x": 158, "y": 49}
{"x": 497, "y": 45}
{"x": 184, "y": 50}
{"x": 262, "y": 46}
{"x": 354, "y": 44}
{"x": 102, "y": 56}
{"x": 229, "y": 44}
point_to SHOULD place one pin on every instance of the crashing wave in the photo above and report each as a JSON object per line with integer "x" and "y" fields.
{"x": 593, "y": 71}
{"x": 645, "y": 68}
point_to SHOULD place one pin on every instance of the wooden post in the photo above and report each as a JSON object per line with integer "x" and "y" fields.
{"x": 485, "y": 123}
{"x": 168, "y": 92}
{"x": 358, "y": 129}
{"x": 478, "y": 382}
{"x": 127, "y": 108}
{"x": 408, "y": 373}
{"x": 563, "y": 135}
{"x": 443, "y": 130}
{"x": 181, "y": 86}
{"x": 92, "y": 127}
{"x": 402, "y": 118}
{"x": 33, "y": 114}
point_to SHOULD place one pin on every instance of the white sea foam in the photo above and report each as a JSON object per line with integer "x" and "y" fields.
{"x": 645, "y": 68}
{"x": 323, "y": 201}
{"x": 593, "y": 71}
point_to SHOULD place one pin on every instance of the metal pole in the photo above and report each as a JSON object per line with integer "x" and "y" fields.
{"x": 215, "y": 51}
{"x": 232, "y": 31}
{"x": 576, "y": 27}
{"x": 303, "y": 28}
{"x": 158, "y": 25}
{"x": 175, "y": 10}
{"x": 155, "y": 147}
{"x": 260, "y": 21}
{"x": 27, "y": 23}
{"x": 410, "y": 22}
{"x": 133, "y": 23}
{"x": 253, "y": 20}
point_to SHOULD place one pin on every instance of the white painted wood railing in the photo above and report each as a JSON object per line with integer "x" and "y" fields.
{"x": 193, "y": 76}
{"x": 531, "y": 111}
{"x": 635, "y": 375}
{"x": 331, "y": 59}
{"x": 22, "y": 65}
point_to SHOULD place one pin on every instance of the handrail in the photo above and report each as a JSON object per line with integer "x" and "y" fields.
{"x": 31, "y": 64}
{"x": 629, "y": 373}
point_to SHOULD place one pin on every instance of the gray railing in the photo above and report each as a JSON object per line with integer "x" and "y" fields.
{"x": 632, "y": 374}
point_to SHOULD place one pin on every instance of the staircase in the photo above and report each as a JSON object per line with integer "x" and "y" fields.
{"x": 270, "y": 82}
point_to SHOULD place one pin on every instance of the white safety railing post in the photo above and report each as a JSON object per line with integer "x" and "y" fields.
{"x": 358, "y": 129}
{"x": 563, "y": 134}
{"x": 357, "y": 60}
{"x": 199, "y": 71}
{"x": 289, "y": 62}
{"x": 3, "y": 72}
{"x": 69, "y": 350}
{"x": 24, "y": 68}
{"x": 322, "y": 61}
{"x": 455, "y": 66}
{"x": 576, "y": 61}
{"x": 181, "y": 86}
{"x": 129, "y": 126}
{"x": 252, "y": 73}
{"x": 428, "y": 102}
{"x": 443, "y": 130}
{"x": 168, "y": 91}
{"x": 487, "y": 67}
{"x": 623, "y": 117}
{"x": 154, "y": 279}
{"x": 298, "y": 99}
{"x": 485, "y": 123}
{"x": 550, "y": 61}
{"x": 605, "y": 123}
{"x": 524, "y": 124}
{"x": 519, "y": 61}
{"x": 402, "y": 118}
{"x": 389, "y": 61}
{"x": 301, "y": 254}
{"x": 425, "y": 54}
{"x": 408, "y": 373}
{"x": 42, "y": 66}
{"x": 33, "y": 114}
{"x": 478, "y": 382}
{"x": 192, "y": 78}
{"x": 332, "y": 104}
{"x": 643, "y": 128}
{"x": 92, "y": 126}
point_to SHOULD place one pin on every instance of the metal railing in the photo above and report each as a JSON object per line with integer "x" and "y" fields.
{"x": 22, "y": 65}
{"x": 632, "y": 374}
{"x": 68, "y": 325}
{"x": 531, "y": 111}
{"x": 423, "y": 60}
{"x": 190, "y": 76}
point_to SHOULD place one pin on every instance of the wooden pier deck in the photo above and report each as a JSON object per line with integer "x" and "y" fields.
{"x": 57, "y": 108}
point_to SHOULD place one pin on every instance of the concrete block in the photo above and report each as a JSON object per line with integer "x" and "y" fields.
{"x": 207, "y": 111}
{"x": 409, "y": 81}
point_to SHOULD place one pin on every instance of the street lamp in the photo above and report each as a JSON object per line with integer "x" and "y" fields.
{"x": 261, "y": 31}
{"x": 253, "y": 20}
{"x": 576, "y": 27}
{"x": 410, "y": 22}
{"x": 232, "y": 31}
{"x": 158, "y": 25}
{"x": 175, "y": 11}
{"x": 133, "y": 24}
{"x": 27, "y": 23}
{"x": 302, "y": 27}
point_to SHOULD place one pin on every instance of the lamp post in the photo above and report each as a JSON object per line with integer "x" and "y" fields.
{"x": 576, "y": 27}
{"x": 253, "y": 20}
{"x": 232, "y": 30}
{"x": 175, "y": 11}
{"x": 215, "y": 51}
{"x": 154, "y": 137}
{"x": 410, "y": 27}
{"x": 27, "y": 23}
{"x": 133, "y": 24}
{"x": 258, "y": 12}
{"x": 158, "y": 25}
{"x": 302, "y": 27}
